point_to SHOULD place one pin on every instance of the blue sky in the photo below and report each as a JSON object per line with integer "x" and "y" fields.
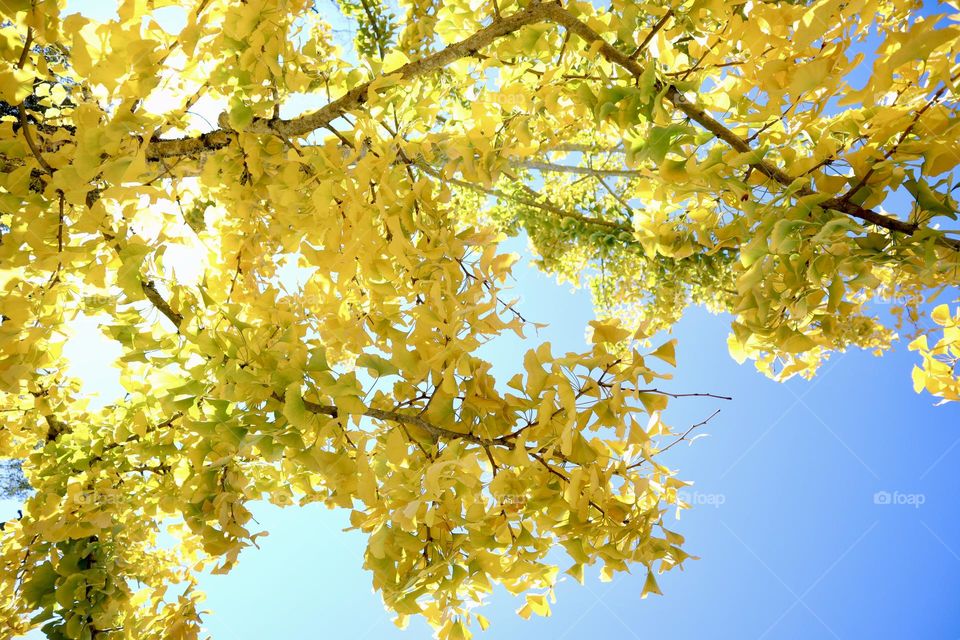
{"x": 822, "y": 509}
{"x": 791, "y": 538}
{"x": 786, "y": 521}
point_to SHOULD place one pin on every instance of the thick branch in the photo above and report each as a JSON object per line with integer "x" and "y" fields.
{"x": 708, "y": 122}
{"x": 551, "y": 167}
{"x": 302, "y": 125}
{"x": 150, "y": 290}
{"x": 538, "y": 12}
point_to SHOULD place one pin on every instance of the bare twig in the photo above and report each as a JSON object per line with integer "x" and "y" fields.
{"x": 678, "y": 440}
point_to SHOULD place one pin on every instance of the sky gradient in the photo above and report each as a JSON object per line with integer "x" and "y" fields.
{"x": 788, "y": 516}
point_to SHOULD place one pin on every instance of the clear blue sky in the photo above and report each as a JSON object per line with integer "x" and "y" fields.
{"x": 792, "y": 540}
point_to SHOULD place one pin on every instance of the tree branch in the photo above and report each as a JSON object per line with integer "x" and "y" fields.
{"x": 150, "y": 290}
{"x": 552, "y": 167}
{"x": 302, "y": 125}
{"x": 701, "y": 117}
{"x": 678, "y": 440}
{"x": 538, "y": 12}
{"x": 543, "y": 206}
{"x": 653, "y": 32}
{"x": 22, "y": 110}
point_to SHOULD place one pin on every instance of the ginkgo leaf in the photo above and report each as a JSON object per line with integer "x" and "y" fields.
{"x": 294, "y": 409}
{"x": 607, "y": 332}
{"x": 303, "y": 300}
{"x": 377, "y": 365}
{"x": 650, "y": 586}
{"x": 928, "y": 199}
{"x": 666, "y": 352}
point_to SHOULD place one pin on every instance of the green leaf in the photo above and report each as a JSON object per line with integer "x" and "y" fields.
{"x": 660, "y": 140}
{"x": 376, "y": 365}
{"x": 783, "y": 238}
{"x": 294, "y": 410}
{"x": 240, "y": 114}
{"x": 837, "y": 226}
{"x": 40, "y": 584}
{"x": 70, "y": 590}
{"x": 753, "y": 252}
{"x": 647, "y": 84}
{"x": 132, "y": 257}
{"x": 928, "y": 199}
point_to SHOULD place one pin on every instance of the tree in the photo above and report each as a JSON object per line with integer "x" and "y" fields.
{"x": 710, "y": 153}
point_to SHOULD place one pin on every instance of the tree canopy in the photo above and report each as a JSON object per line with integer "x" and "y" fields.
{"x": 791, "y": 164}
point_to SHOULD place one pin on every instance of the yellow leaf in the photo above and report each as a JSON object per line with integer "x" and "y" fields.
{"x": 650, "y": 586}
{"x": 607, "y": 331}
{"x": 15, "y": 85}
{"x": 667, "y": 352}
{"x": 941, "y": 315}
